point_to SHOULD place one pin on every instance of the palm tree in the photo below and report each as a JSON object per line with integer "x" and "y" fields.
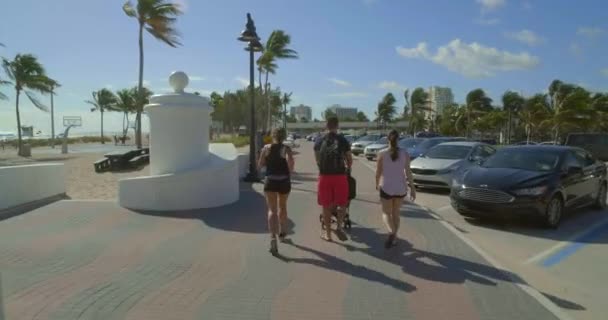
{"x": 512, "y": 103}
{"x": 285, "y": 100}
{"x": 478, "y": 103}
{"x": 277, "y": 48}
{"x": 53, "y": 85}
{"x": 126, "y": 103}
{"x": 158, "y": 18}
{"x": 26, "y": 72}
{"x": 103, "y": 100}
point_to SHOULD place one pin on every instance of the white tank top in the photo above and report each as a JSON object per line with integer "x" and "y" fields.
{"x": 393, "y": 180}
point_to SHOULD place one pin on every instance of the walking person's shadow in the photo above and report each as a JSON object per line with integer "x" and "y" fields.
{"x": 425, "y": 264}
{"x": 330, "y": 262}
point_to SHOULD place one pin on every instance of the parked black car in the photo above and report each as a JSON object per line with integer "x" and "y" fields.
{"x": 596, "y": 143}
{"x": 538, "y": 181}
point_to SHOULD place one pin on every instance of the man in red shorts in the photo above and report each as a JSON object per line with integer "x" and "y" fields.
{"x": 332, "y": 152}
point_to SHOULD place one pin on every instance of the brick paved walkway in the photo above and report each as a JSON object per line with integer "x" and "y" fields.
{"x": 95, "y": 260}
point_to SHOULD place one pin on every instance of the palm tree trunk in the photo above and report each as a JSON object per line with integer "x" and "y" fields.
{"x": 18, "y": 123}
{"x": 260, "y": 78}
{"x": 102, "y": 140}
{"x": 52, "y": 120}
{"x": 266, "y": 90}
{"x": 140, "y": 87}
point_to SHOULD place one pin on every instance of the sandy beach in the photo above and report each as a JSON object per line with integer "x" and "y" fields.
{"x": 82, "y": 182}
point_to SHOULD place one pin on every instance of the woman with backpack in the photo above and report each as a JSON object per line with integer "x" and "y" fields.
{"x": 393, "y": 180}
{"x": 279, "y": 163}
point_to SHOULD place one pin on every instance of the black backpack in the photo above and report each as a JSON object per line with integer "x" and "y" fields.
{"x": 331, "y": 158}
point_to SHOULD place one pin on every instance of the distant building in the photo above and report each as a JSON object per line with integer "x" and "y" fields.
{"x": 439, "y": 98}
{"x": 344, "y": 112}
{"x": 301, "y": 112}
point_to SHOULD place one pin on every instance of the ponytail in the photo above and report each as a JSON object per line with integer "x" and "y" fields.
{"x": 393, "y": 138}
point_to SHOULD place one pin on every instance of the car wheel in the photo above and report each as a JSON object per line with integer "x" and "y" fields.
{"x": 601, "y": 202}
{"x": 553, "y": 213}
{"x": 369, "y": 158}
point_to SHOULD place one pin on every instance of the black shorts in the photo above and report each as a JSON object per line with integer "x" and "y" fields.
{"x": 280, "y": 186}
{"x": 387, "y": 196}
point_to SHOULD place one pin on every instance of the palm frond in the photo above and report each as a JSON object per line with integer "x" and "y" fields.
{"x": 168, "y": 36}
{"x": 129, "y": 10}
{"x": 36, "y": 102}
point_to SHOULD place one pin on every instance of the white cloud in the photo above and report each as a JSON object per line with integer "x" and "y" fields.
{"x": 420, "y": 51}
{"x": 525, "y": 36}
{"x": 109, "y": 86}
{"x": 576, "y": 49}
{"x": 147, "y": 83}
{"x": 589, "y": 32}
{"x": 196, "y": 78}
{"x": 489, "y": 5}
{"x": 348, "y": 94}
{"x": 391, "y": 85}
{"x": 472, "y": 60}
{"x": 604, "y": 72}
{"x": 242, "y": 80}
{"x": 339, "y": 82}
{"x": 487, "y": 21}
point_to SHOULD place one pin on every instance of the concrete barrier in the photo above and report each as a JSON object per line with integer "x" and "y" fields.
{"x": 20, "y": 185}
{"x": 243, "y": 159}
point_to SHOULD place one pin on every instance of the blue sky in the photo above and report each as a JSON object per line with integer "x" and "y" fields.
{"x": 352, "y": 51}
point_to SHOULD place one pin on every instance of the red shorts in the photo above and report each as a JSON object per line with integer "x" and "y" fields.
{"x": 332, "y": 190}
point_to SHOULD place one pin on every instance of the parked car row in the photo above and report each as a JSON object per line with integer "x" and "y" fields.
{"x": 537, "y": 180}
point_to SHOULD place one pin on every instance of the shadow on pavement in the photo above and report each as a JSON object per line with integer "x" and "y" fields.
{"x": 572, "y": 228}
{"x": 565, "y": 304}
{"x": 248, "y": 215}
{"x": 424, "y": 264}
{"x": 333, "y": 263}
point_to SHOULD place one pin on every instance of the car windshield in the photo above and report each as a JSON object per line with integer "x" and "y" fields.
{"x": 452, "y": 152}
{"x": 429, "y": 143}
{"x": 409, "y": 143}
{"x": 524, "y": 159}
{"x": 369, "y": 138}
{"x": 383, "y": 140}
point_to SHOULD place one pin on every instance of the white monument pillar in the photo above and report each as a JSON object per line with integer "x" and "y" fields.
{"x": 179, "y": 128}
{"x": 186, "y": 172}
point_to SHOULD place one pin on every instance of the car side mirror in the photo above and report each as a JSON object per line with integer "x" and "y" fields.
{"x": 575, "y": 170}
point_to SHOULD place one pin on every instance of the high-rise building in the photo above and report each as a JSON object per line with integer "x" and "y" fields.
{"x": 439, "y": 98}
{"x": 301, "y": 112}
{"x": 344, "y": 112}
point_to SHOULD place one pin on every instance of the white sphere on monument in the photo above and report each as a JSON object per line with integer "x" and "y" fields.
{"x": 178, "y": 81}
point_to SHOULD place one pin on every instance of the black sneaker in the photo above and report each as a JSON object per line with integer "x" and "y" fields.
{"x": 274, "y": 249}
{"x": 390, "y": 241}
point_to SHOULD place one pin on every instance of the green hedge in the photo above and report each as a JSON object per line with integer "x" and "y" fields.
{"x": 236, "y": 140}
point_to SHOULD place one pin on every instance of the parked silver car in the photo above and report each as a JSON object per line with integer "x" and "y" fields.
{"x": 371, "y": 151}
{"x": 358, "y": 146}
{"x": 434, "y": 168}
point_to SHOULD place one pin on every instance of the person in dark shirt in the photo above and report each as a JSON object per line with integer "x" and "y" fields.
{"x": 279, "y": 163}
{"x": 332, "y": 153}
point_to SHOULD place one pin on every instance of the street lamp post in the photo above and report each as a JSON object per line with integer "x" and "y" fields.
{"x": 250, "y": 36}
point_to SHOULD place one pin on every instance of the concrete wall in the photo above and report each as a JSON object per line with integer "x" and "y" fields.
{"x": 213, "y": 183}
{"x": 243, "y": 159}
{"x": 23, "y": 184}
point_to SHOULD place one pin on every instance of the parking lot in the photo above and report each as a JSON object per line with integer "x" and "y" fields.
{"x": 569, "y": 263}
